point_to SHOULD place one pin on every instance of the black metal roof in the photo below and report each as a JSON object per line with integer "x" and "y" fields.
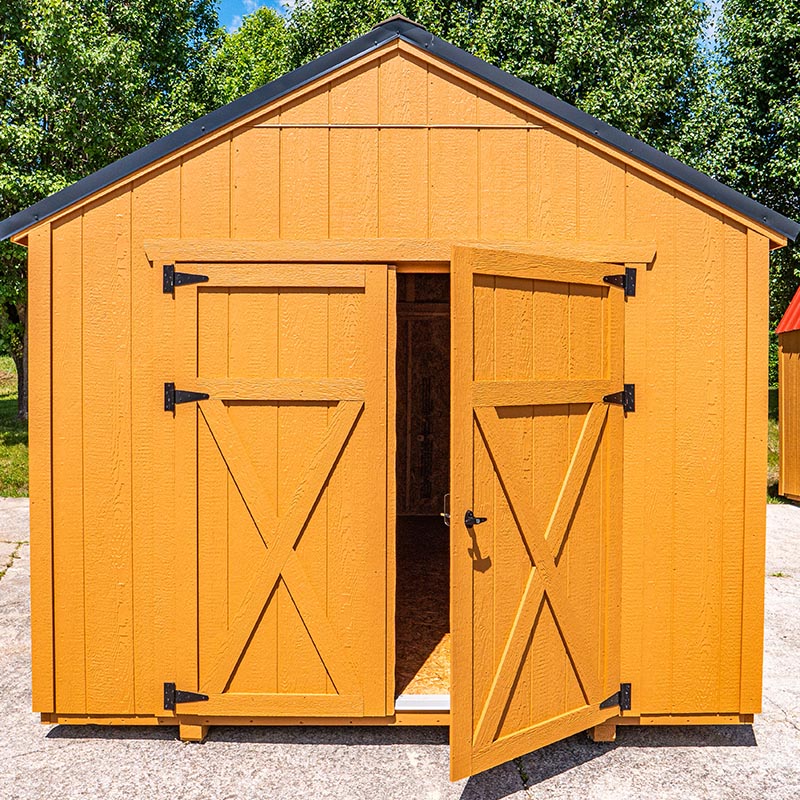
{"x": 391, "y": 29}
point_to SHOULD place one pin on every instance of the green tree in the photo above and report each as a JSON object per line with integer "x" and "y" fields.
{"x": 753, "y": 136}
{"x": 82, "y": 83}
{"x": 253, "y": 55}
{"x": 637, "y": 64}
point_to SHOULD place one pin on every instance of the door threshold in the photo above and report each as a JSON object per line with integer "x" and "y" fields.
{"x": 422, "y": 702}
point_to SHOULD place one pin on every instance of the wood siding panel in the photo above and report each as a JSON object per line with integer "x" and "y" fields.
{"x": 106, "y": 359}
{"x": 255, "y": 183}
{"x": 68, "y": 419}
{"x": 601, "y": 197}
{"x": 304, "y": 211}
{"x": 649, "y": 468}
{"x": 403, "y": 175}
{"x": 755, "y": 472}
{"x": 552, "y": 185}
{"x": 41, "y": 479}
{"x": 206, "y": 192}
{"x": 502, "y": 173}
{"x": 452, "y": 157}
{"x": 155, "y": 210}
{"x": 734, "y": 376}
{"x": 354, "y": 156}
{"x": 696, "y": 543}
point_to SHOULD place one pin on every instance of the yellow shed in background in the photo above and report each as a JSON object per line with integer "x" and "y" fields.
{"x": 271, "y": 353}
{"x": 788, "y": 331}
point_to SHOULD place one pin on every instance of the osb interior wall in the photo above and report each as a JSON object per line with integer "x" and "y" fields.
{"x": 399, "y": 146}
{"x": 423, "y": 394}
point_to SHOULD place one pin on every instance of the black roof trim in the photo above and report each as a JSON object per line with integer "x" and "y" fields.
{"x": 411, "y": 32}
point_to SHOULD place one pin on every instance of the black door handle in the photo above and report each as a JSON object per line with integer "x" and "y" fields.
{"x": 470, "y": 520}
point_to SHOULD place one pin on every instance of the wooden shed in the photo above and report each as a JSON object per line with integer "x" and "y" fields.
{"x": 269, "y": 351}
{"x": 788, "y": 331}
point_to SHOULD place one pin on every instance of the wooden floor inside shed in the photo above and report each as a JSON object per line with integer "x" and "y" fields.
{"x": 422, "y": 607}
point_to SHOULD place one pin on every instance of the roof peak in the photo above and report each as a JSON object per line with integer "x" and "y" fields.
{"x": 397, "y": 27}
{"x": 398, "y": 18}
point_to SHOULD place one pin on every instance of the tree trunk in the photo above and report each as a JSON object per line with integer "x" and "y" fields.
{"x": 21, "y": 362}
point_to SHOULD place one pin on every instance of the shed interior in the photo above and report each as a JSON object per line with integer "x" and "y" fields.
{"x": 422, "y": 616}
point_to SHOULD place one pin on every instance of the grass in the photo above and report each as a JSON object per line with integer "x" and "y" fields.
{"x": 13, "y": 436}
{"x": 772, "y": 461}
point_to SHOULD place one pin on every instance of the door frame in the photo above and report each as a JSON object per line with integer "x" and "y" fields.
{"x": 409, "y": 255}
{"x": 401, "y": 255}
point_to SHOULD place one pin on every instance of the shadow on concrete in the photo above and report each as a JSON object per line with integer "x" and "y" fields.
{"x": 565, "y": 755}
{"x": 150, "y": 733}
{"x": 493, "y": 784}
{"x": 362, "y": 736}
{"x": 535, "y": 768}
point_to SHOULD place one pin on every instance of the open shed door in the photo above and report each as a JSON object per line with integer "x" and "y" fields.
{"x": 281, "y": 480}
{"x": 537, "y": 343}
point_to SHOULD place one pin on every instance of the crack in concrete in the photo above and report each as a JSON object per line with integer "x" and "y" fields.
{"x": 14, "y": 555}
{"x": 523, "y": 776}
{"x": 786, "y": 714}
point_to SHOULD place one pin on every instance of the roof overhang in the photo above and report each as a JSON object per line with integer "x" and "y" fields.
{"x": 391, "y": 30}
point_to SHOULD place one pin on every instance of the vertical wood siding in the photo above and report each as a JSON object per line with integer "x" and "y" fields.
{"x": 41, "y": 478}
{"x": 402, "y": 148}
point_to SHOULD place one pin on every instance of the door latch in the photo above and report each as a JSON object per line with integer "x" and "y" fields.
{"x": 470, "y": 520}
{"x": 445, "y": 515}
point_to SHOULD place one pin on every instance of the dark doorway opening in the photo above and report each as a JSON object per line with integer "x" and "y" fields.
{"x": 422, "y": 615}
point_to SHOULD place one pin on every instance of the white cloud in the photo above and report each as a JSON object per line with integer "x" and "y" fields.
{"x": 251, "y": 5}
{"x": 236, "y": 23}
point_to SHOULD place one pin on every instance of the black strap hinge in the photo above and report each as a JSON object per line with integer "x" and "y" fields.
{"x": 173, "y": 696}
{"x": 626, "y": 398}
{"x": 173, "y": 396}
{"x": 626, "y": 281}
{"x": 622, "y": 698}
{"x": 173, "y": 279}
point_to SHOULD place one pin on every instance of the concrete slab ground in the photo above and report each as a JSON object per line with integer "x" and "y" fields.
{"x": 758, "y": 763}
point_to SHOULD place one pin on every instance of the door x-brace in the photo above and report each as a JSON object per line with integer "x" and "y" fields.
{"x": 545, "y": 582}
{"x": 280, "y": 559}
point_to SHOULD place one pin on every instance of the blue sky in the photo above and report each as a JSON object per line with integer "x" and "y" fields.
{"x": 232, "y": 11}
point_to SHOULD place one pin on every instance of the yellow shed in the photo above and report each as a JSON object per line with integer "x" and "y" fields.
{"x": 271, "y": 353}
{"x": 788, "y": 331}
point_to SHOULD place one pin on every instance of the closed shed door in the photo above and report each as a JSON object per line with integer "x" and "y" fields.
{"x": 282, "y": 489}
{"x": 536, "y": 345}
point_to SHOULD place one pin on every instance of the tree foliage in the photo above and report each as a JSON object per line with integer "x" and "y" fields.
{"x": 753, "y": 137}
{"x": 253, "y": 55}
{"x": 82, "y": 83}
